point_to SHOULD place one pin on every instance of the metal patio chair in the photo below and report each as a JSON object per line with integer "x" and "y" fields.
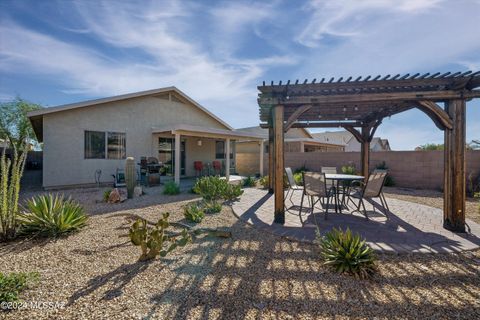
{"x": 292, "y": 185}
{"x": 371, "y": 189}
{"x": 315, "y": 185}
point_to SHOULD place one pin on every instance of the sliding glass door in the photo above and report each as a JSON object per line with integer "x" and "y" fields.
{"x": 166, "y": 155}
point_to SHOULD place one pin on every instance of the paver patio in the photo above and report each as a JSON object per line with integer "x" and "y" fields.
{"x": 407, "y": 227}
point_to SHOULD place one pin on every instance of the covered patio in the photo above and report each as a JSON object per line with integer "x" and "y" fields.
{"x": 196, "y": 143}
{"x": 359, "y": 106}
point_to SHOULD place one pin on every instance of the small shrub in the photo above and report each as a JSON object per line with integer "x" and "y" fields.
{"x": 232, "y": 192}
{"x": 298, "y": 177}
{"x": 347, "y": 253}
{"x": 51, "y": 216}
{"x": 155, "y": 240}
{"x": 106, "y": 195}
{"x": 349, "y": 169}
{"x": 249, "y": 182}
{"x": 389, "y": 181}
{"x": 211, "y": 188}
{"x": 212, "y": 207}
{"x": 12, "y": 284}
{"x": 264, "y": 182}
{"x": 171, "y": 188}
{"x": 194, "y": 213}
{"x": 301, "y": 169}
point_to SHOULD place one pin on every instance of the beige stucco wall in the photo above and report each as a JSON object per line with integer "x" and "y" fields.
{"x": 63, "y": 133}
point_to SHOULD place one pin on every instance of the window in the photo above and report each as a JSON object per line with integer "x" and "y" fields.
{"x": 219, "y": 149}
{"x": 105, "y": 145}
{"x": 116, "y": 145}
{"x": 94, "y": 145}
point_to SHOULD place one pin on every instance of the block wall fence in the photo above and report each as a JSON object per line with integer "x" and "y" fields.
{"x": 413, "y": 169}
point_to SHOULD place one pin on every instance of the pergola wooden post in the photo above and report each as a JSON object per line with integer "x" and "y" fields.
{"x": 271, "y": 150}
{"x": 359, "y": 106}
{"x": 454, "y": 168}
{"x": 278, "y": 161}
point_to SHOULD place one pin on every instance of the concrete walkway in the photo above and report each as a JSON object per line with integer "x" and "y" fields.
{"x": 407, "y": 227}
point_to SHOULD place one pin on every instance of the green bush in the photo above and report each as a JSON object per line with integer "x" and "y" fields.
{"x": 349, "y": 169}
{"x": 249, "y": 182}
{"x": 106, "y": 194}
{"x": 347, "y": 253}
{"x": 171, "y": 188}
{"x": 12, "y": 284}
{"x": 194, "y": 213}
{"x": 298, "y": 177}
{"x": 212, "y": 207}
{"x": 264, "y": 182}
{"x": 52, "y": 215}
{"x": 211, "y": 188}
{"x": 389, "y": 181}
{"x": 232, "y": 192}
{"x": 301, "y": 169}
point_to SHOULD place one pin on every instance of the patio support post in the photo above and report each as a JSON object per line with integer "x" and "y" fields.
{"x": 279, "y": 166}
{"x": 177, "y": 158}
{"x": 365, "y": 152}
{"x": 261, "y": 158}
{"x": 227, "y": 162}
{"x": 271, "y": 150}
{"x": 454, "y": 168}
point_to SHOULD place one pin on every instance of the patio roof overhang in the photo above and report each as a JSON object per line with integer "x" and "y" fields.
{"x": 359, "y": 106}
{"x": 205, "y": 132}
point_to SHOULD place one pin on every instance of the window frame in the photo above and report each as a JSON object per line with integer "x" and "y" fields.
{"x": 105, "y": 151}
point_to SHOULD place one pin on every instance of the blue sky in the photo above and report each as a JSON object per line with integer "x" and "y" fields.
{"x": 218, "y": 51}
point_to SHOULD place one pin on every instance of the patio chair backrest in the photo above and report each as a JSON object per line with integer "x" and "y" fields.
{"x": 291, "y": 180}
{"x": 375, "y": 183}
{"x": 331, "y": 170}
{"x": 314, "y": 184}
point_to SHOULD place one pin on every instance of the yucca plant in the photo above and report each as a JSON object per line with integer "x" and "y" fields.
{"x": 11, "y": 172}
{"x": 51, "y": 215}
{"x": 347, "y": 253}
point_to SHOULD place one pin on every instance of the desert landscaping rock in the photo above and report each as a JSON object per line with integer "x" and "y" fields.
{"x": 254, "y": 275}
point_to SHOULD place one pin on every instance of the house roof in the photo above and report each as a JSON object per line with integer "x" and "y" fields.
{"x": 257, "y": 130}
{"x": 36, "y": 116}
{"x": 334, "y": 137}
{"x": 206, "y": 132}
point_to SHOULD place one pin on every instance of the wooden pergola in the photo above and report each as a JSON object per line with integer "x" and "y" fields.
{"x": 359, "y": 106}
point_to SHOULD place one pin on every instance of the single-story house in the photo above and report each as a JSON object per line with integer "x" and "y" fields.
{"x": 84, "y": 138}
{"x": 349, "y": 142}
{"x": 248, "y": 159}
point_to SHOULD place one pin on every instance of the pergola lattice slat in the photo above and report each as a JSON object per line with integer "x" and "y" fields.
{"x": 363, "y": 103}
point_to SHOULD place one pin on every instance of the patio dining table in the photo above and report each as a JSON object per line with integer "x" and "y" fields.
{"x": 337, "y": 178}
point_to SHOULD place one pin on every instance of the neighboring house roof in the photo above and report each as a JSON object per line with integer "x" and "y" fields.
{"x": 258, "y": 131}
{"x": 345, "y": 138}
{"x": 36, "y": 116}
{"x": 335, "y": 137}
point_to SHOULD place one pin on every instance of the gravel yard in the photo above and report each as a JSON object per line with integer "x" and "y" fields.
{"x": 254, "y": 275}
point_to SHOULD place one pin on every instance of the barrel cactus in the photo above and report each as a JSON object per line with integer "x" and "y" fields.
{"x": 130, "y": 180}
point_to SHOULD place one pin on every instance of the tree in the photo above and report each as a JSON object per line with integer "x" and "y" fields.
{"x": 15, "y": 127}
{"x": 430, "y": 146}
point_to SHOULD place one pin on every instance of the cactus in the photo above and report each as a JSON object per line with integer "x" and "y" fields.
{"x": 130, "y": 176}
{"x": 156, "y": 240}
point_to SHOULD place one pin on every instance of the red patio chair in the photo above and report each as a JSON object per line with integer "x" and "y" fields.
{"x": 217, "y": 167}
{"x": 198, "y": 165}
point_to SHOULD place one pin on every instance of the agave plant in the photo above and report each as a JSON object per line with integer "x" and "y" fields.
{"x": 52, "y": 215}
{"x": 348, "y": 253}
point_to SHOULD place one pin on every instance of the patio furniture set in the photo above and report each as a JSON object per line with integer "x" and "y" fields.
{"x": 207, "y": 169}
{"x": 337, "y": 189}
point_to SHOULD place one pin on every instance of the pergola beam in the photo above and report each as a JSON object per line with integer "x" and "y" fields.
{"x": 298, "y": 112}
{"x": 439, "y": 116}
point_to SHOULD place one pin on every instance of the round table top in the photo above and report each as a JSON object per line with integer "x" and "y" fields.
{"x": 340, "y": 176}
